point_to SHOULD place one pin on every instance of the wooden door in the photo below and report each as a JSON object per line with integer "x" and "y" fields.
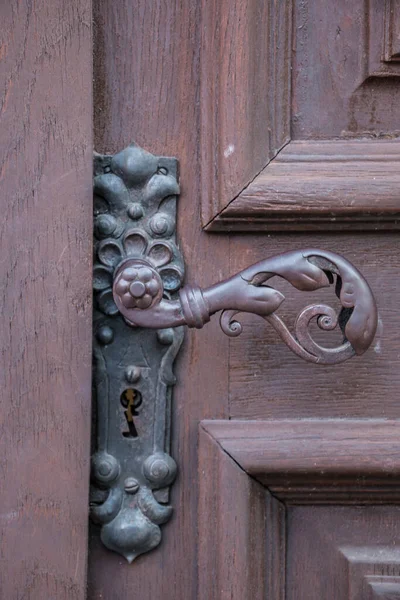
{"x": 46, "y": 312}
{"x": 284, "y": 117}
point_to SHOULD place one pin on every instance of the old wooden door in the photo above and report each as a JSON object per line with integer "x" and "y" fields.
{"x": 45, "y": 281}
{"x": 284, "y": 116}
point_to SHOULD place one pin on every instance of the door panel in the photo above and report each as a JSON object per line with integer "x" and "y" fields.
{"x": 45, "y": 337}
{"x": 266, "y": 381}
{"x": 299, "y": 121}
{"x": 192, "y": 80}
{"x": 347, "y": 553}
{"x": 299, "y": 509}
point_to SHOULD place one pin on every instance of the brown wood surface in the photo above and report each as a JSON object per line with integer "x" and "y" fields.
{"x": 321, "y": 185}
{"x": 232, "y": 540}
{"x": 45, "y": 222}
{"x": 244, "y": 56}
{"x": 146, "y": 89}
{"x": 314, "y": 551}
{"x": 343, "y": 85}
{"x": 318, "y": 447}
{"x": 330, "y": 460}
{"x": 267, "y": 381}
{"x": 348, "y": 553}
{"x": 152, "y": 62}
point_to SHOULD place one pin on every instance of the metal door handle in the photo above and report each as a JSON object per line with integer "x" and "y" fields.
{"x": 140, "y": 308}
{"x": 306, "y": 270}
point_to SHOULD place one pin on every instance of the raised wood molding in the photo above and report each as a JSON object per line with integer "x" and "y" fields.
{"x": 392, "y": 32}
{"x": 254, "y": 178}
{"x": 234, "y": 548}
{"x": 328, "y": 184}
{"x": 250, "y": 471}
{"x": 372, "y": 572}
{"x": 244, "y": 94}
{"x": 317, "y": 461}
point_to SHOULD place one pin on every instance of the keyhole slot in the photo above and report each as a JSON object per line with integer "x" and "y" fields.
{"x": 131, "y": 400}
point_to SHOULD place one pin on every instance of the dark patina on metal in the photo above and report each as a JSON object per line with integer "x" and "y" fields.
{"x": 141, "y": 308}
{"x": 134, "y": 220}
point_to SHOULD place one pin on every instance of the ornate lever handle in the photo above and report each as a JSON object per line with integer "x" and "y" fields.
{"x": 140, "y": 306}
{"x": 139, "y": 295}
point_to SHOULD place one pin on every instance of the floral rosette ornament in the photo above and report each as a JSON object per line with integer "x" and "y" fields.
{"x": 144, "y": 283}
{"x": 155, "y": 265}
{"x": 139, "y": 286}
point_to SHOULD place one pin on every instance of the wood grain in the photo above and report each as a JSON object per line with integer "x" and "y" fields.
{"x": 245, "y": 58}
{"x": 232, "y": 520}
{"x": 318, "y": 460}
{"x": 147, "y": 78}
{"x": 392, "y": 32}
{"x": 342, "y": 89}
{"x": 152, "y": 62}
{"x": 347, "y": 552}
{"x": 45, "y": 299}
{"x": 268, "y": 381}
{"x": 321, "y": 184}
{"x": 316, "y": 551}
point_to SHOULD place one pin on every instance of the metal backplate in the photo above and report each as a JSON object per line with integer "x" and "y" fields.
{"x": 135, "y": 196}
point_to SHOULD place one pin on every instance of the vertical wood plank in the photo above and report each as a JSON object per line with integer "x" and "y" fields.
{"x": 45, "y": 296}
{"x": 147, "y": 78}
{"x": 239, "y": 525}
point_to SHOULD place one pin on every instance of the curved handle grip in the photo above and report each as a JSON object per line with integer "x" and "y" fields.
{"x": 139, "y": 295}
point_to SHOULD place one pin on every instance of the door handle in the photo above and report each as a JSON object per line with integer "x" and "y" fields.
{"x": 306, "y": 270}
{"x": 141, "y": 308}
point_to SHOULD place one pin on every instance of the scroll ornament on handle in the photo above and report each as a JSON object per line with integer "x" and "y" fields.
{"x": 247, "y": 291}
{"x": 141, "y": 308}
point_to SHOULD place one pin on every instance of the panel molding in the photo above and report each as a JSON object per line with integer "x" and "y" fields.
{"x": 373, "y": 572}
{"x": 235, "y": 514}
{"x": 391, "y": 51}
{"x": 312, "y": 461}
{"x": 238, "y": 134}
{"x": 250, "y": 471}
{"x": 254, "y": 178}
{"x": 313, "y": 184}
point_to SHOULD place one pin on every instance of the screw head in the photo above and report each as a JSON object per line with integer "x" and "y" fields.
{"x": 131, "y": 485}
{"x": 132, "y": 374}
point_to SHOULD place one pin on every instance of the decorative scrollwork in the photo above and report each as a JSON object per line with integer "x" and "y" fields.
{"x": 306, "y": 270}
{"x": 310, "y": 270}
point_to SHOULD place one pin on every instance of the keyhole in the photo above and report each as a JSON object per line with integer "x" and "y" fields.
{"x": 131, "y": 400}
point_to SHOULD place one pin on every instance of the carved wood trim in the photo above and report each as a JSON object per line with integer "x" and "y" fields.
{"x": 317, "y": 461}
{"x": 250, "y": 471}
{"x": 334, "y": 184}
{"x": 391, "y": 51}
{"x": 253, "y": 177}
{"x": 241, "y": 531}
{"x": 240, "y": 134}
